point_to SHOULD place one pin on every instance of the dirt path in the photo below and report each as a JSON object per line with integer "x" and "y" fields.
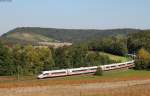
{"x": 70, "y": 90}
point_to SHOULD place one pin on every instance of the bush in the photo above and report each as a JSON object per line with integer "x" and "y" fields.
{"x": 99, "y": 71}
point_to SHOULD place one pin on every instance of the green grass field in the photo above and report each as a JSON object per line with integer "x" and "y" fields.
{"x": 116, "y": 58}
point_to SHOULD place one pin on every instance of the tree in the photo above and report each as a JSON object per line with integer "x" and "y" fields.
{"x": 114, "y": 45}
{"x": 28, "y": 60}
{"x": 33, "y": 62}
{"x": 46, "y": 58}
{"x": 60, "y": 58}
{"x": 19, "y": 61}
{"x": 99, "y": 71}
{"x": 78, "y": 55}
{"x": 138, "y": 40}
{"x": 6, "y": 67}
{"x": 143, "y": 59}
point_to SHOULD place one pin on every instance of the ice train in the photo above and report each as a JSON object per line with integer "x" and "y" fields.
{"x": 85, "y": 70}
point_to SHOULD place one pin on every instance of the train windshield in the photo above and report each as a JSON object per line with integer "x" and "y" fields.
{"x": 46, "y": 74}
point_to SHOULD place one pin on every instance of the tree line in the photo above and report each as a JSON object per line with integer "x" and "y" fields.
{"x": 28, "y": 60}
{"x": 135, "y": 43}
{"x": 114, "y": 45}
{"x": 139, "y": 43}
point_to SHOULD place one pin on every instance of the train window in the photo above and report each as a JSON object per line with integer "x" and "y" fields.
{"x": 113, "y": 66}
{"x": 93, "y": 69}
{"x": 59, "y": 72}
{"x": 107, "y": 67}
{"x": 121, "y": 65}
{"x": 46, "y": 74}
{"x": 79, "y": 70}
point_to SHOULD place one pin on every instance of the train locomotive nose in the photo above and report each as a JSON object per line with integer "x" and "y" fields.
{"x": 40, "y": 76}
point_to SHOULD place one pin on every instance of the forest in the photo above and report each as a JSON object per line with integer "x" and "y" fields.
{"x": 134, "y": 43}
{"x": 27, "y": 60}
{"x": 30, "y": 60}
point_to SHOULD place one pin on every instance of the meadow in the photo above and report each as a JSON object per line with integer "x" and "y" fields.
{"x": 116, "y": 57}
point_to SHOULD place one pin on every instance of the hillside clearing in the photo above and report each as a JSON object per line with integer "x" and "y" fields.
{"x": 31, "y": 37}
{"x": 116, "y": 57}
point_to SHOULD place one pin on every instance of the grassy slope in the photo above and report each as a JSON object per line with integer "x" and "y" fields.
{"x": 30, "y": 37}
{"x": 116, "y": 58}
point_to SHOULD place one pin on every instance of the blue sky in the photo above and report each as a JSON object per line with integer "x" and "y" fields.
{"x": 78, "y": 14}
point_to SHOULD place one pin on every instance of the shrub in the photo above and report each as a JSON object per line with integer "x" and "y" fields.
{"x": 99, "y": 71}
{"x": 143, "y": 59}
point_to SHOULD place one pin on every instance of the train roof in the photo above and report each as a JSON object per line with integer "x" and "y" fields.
{"x": 87, "y": 67}
{"x": 83, "y": 68}
{"x": 54, "y": 71}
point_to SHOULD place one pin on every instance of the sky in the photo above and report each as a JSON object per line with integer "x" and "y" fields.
{"x": 74, "y": 14}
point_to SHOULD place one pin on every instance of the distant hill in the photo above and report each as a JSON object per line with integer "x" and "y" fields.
{"x": 37, "y": 34}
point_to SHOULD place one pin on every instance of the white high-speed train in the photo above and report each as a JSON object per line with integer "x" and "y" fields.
{"x": 85, "y": 70}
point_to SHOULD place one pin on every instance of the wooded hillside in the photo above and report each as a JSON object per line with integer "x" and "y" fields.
{"x": 36, "y": 34}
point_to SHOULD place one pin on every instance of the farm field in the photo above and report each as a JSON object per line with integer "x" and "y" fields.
{"x": 137, "y": 90}
{"x": 112, "y": 76}
{"x": 119, "y": 88}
